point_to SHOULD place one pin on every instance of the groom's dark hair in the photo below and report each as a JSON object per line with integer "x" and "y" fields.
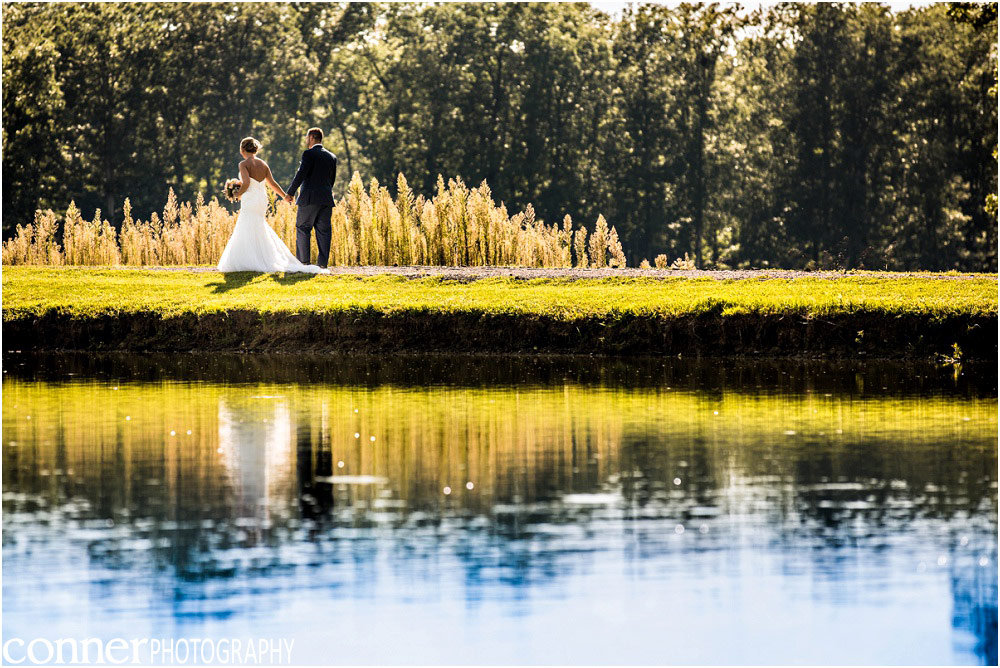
{"x": 316, "y": 134}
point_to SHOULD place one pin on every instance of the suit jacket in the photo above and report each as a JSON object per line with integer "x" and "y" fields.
{"x": 316, "y": 174}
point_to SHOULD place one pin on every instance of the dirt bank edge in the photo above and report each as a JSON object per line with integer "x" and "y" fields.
{"x": 858, "y": 334}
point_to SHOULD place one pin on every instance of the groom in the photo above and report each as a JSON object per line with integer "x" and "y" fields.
{"x": 316, "y": 174}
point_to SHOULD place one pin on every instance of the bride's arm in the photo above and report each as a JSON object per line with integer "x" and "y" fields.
{"x": 244, "y": 180}
{"x": 271, "y": 182}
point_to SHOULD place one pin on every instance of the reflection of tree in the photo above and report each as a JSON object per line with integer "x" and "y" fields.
{"x": 973, "y": 567}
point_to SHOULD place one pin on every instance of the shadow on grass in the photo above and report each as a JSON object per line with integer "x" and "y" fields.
{"x": 291, "y": 279}
{"x": 233, "y": 280}
{"x": 238, "y": 279}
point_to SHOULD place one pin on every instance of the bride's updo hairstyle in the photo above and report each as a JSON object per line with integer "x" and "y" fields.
{"x": 250, "y": 145}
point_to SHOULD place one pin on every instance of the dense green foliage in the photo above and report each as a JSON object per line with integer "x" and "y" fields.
{"x": 32, "y": 292}
{"x": 798, "y": 135}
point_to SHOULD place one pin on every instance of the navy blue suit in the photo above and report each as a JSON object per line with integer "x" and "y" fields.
{"x": 316, "y": 174}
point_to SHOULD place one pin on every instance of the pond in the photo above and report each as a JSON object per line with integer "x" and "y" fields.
{"x": 432, "y": 509}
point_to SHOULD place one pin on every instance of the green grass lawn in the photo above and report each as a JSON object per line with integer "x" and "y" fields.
{"x": 31, "y": 292}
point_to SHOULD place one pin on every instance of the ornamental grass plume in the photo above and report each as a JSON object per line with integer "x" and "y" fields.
{"x": 685, "y": 262}
{"x": 605, "y": 249}
{"x": 35, "y": 243}
{"x": 615, "y": 250}
{"x": 599, "y": 244}
{"x": 457, "y": 226}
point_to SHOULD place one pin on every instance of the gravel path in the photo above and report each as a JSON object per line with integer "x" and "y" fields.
{"x": 467, "y": 274}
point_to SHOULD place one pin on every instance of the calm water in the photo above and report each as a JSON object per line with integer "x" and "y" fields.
{"x": 505, "y": 510}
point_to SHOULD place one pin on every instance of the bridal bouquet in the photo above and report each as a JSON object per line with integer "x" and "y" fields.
{"x": 231, "y": 188}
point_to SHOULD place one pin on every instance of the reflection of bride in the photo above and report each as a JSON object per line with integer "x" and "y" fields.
{"x": 254, "y": 444}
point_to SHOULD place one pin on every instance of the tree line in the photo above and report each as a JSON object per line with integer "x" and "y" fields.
{"x": 796, "y": 135}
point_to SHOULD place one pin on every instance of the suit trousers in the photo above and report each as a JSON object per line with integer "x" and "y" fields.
{"x": 311, "y": 216}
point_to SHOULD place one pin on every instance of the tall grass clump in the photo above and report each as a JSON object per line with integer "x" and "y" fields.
{"x": 458, "y": 226}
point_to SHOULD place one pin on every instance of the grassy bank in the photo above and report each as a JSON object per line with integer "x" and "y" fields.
{"x": 864, "y": 314}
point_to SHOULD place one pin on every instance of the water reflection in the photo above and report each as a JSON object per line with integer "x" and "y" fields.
{"x": 558, "y": 513}
{"x": 254, "y": 440}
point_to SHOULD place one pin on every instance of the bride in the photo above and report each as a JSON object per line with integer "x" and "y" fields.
{"x": 254, "y": 246}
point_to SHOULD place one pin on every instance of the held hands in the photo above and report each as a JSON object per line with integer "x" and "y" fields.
{"x": 288, "y": 198}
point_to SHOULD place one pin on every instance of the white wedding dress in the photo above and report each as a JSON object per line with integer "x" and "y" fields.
{"x": 254, "y": 245}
